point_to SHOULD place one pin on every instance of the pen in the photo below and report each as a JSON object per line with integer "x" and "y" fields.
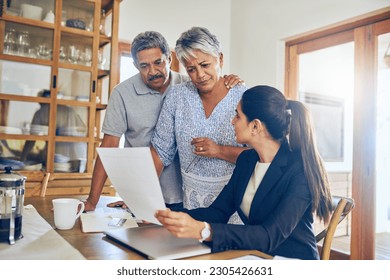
{"x": 131, "y": 213}
{"x": 194, "y": 161}
{"x": 127, "y": 209}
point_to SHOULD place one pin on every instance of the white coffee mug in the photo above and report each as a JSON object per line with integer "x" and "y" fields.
{"x": 66, "y": 211}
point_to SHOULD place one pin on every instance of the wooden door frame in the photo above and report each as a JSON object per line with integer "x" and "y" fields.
{"x": 363, "y": 31}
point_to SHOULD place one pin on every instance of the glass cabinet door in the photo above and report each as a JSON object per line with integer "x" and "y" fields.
{"x": 12, "y": 153}
{"x": 71, "y": 121}
{"x": 40, "y": 10}
{"x": 74, "y": 84}
{"x": 70, "y": 153}
{"x": 28, "y": 41}
{"x": 76, "y": 49}
{"x": 29, "y": 154}
{"x": 30, "y": 85}
{"x": 70, "y": 157}
{"x": 33, "y": 121}
{"x": 54, "y": 64}
{"x": 78, "y": 14}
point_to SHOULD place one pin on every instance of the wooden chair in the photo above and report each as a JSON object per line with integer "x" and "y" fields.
{"x": 45, "y": 181}
{"x": 341, "y": 208}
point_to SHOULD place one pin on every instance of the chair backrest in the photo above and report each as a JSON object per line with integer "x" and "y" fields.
{"x": 341, "y": 207}
{"x": 45, "y": 181}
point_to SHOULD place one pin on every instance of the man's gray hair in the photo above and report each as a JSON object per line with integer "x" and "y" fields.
{"x": 149, "y": 40}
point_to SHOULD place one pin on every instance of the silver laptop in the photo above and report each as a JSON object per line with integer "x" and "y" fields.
{"x": 132, "y": 172}
{"x": 157, "y": 243}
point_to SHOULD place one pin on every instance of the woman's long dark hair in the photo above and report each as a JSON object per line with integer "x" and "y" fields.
{"x": 290, "y": 119}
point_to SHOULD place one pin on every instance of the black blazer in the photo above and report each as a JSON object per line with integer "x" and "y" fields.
{"x": 280, "y": 219}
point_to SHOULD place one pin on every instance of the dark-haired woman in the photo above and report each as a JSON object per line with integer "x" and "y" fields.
{"x": 276, "y": 187}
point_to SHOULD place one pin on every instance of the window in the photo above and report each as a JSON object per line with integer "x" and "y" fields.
{"x": 341, "y": 66}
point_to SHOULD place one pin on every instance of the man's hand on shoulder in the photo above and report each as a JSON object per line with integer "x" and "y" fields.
{"x": 232, "y": 80}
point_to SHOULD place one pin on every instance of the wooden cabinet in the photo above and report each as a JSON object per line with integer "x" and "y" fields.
{"x": 57, "y": 67}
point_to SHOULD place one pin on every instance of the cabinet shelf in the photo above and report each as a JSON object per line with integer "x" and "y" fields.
{"x": 23, "y": 137}
{"x": 27, "y": 21}
{"x": 74, "y": 103}
{"x": 76, "y": 31}
{"x": 15, "y": 97}
{"x": 71, "y": 139}
{"x": 25, "y": 59}
{"x": 74, "y": 66}
{"x": 101, "y": 107}
{"x": 103, "y": 73}
{"x": 104, "y": 40}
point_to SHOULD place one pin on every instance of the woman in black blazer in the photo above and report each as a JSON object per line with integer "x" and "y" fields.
{"x": 276, "y": 187}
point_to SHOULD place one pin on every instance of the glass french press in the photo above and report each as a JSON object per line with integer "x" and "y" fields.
{"x": 11, "y": 205}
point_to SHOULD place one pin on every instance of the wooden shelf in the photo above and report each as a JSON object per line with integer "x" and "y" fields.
{"x": 4, "y": 136}
{"x": 76, "y": 31}
{"x": 24, "y": 59}
{"x": 104, "y": 40}
{"x": 24, "y": 21}
{"x": 103, "y": 73}
{"x": 101, "y": 106}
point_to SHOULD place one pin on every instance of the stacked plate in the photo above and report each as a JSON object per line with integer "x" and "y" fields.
{"x": 32, "y": 166}
{"x": 10, "y": 130}
{"x": 37, "y": 129}
{"x": 62, "y": 164}
{"x": 61, "y": 158}
{"x": 62, "y": 167}
{"x": 15, "y": 164}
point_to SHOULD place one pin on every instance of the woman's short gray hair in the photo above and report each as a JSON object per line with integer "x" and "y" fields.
{"x": 149, "y": 40}
{"x": 197, "y": 38}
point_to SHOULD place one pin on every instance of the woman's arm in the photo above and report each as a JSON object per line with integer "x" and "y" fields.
{"x": 206, "y": 147}
{"x": 189, "y": 223}
{"x": 266, "y": 233}
{"x": 157, "y": 161}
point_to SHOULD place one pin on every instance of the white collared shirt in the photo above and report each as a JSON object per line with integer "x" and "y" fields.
{"x": 253, "y": 184}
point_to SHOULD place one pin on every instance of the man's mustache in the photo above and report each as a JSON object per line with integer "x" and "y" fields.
{"x": 155, "y": 77}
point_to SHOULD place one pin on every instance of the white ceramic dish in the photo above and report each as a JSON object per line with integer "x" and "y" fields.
{"x": 31, "y": 11}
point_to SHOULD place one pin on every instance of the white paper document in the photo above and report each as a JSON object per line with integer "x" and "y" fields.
{"x": 132, "y": 172}
{"x": 101, "y": 220}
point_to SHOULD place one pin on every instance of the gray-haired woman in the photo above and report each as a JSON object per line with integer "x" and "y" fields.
{"x": 195, "y": 121}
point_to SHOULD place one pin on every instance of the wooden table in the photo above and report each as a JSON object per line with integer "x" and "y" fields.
{"x": 95, "y": 246}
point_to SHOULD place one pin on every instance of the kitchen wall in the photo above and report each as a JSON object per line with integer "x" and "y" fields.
{"x": 252, "y": 32}
{"x": 172, "y": 17}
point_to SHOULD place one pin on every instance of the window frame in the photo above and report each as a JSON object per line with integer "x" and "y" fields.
{"x": 363, "y": 31}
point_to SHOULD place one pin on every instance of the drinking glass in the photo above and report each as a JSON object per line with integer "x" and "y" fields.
{"x": 23, "y": 43}
{"x": 88, "y": 56}
{"x": 73, "y": 54}
{"x": 43, "y": 51}
{"x": 62, "y": 53}
{"x": 10, "y": 41}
